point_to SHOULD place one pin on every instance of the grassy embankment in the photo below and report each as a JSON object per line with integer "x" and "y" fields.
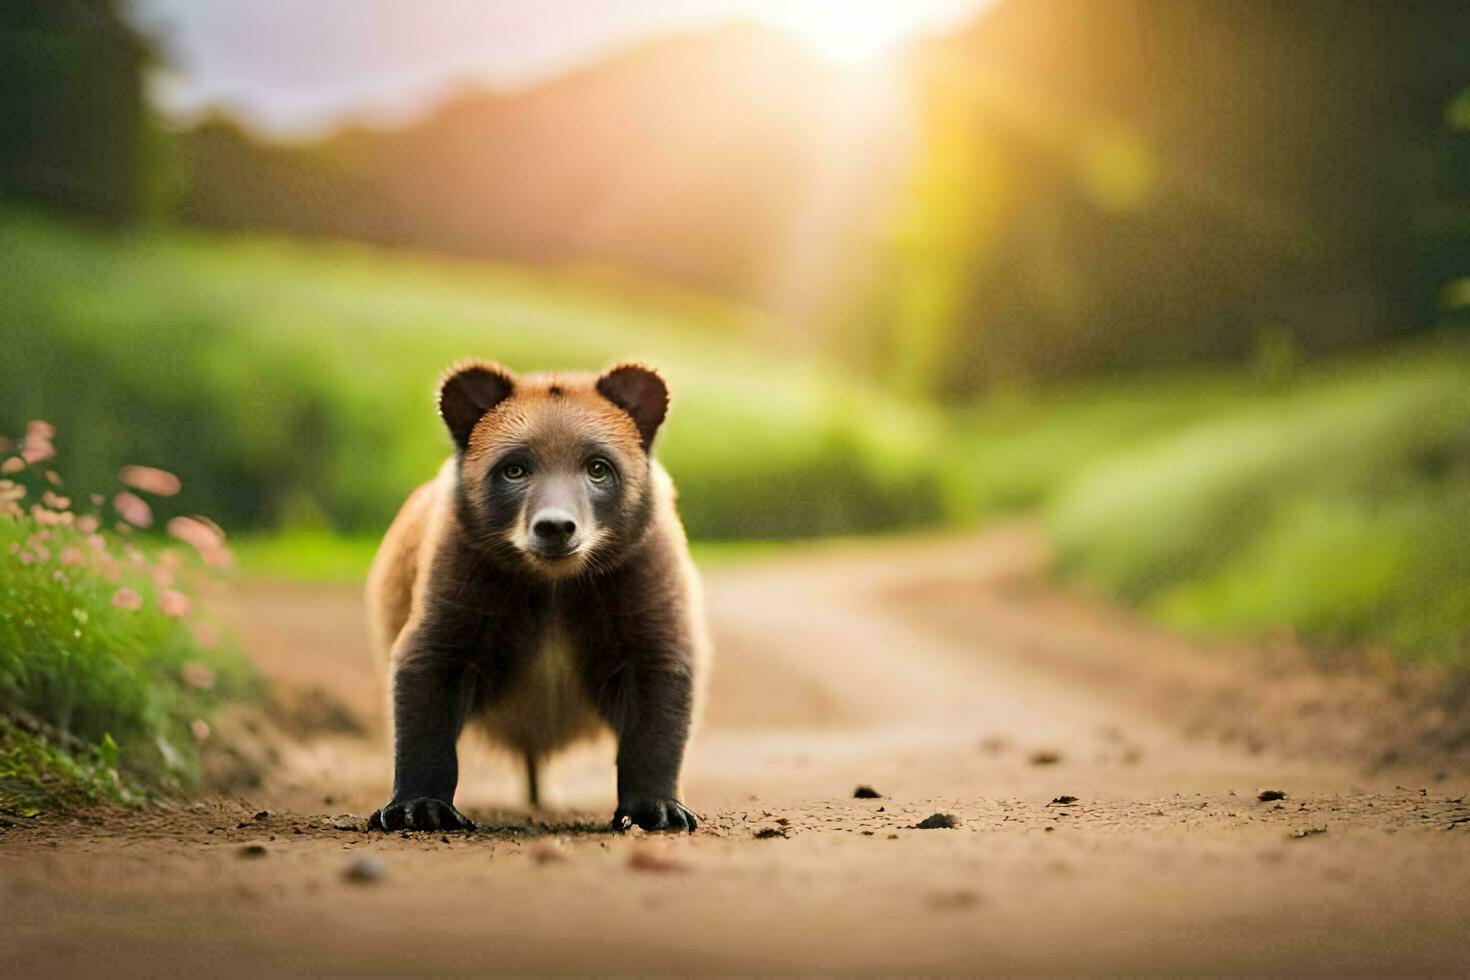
{"x": 1337, "y": 507}
{"x": 109, "y": 672}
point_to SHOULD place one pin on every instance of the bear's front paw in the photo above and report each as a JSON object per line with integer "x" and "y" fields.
{"x": 655, "y": 814}
{"x": 420, "y": 814}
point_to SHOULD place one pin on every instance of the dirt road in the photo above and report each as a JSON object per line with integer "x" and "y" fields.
{"x": 936, "y": 671}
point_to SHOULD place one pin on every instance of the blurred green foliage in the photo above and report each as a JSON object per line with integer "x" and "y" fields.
{"x": 1336, "y": 506}
{"x": 290, "y": 386}
{"x": 78, "y": 133}
{"x": 306, "y": 555}
{"x": 1106, "y": 186}
{"x": 1018, "y": 445}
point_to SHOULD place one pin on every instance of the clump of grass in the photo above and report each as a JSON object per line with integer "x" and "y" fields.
{"x": 1335, "y": 508}
{"x": 1379, "y": 566}
{"x": 38, "y": 774}
{"x": 1018, "y": 446}
{"x": 108, "y": 671}
{"x": 307, "y": 556}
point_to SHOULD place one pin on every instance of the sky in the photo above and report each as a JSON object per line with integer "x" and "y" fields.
{"x": 303, "y": 66}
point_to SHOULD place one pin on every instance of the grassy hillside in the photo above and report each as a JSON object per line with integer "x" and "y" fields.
{"x": 1338, "y": 507}
{"x": 290, "y": 385}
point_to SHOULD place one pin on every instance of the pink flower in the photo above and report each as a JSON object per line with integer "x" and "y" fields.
{"x": 88, "y": 524}
{"x": 55, "y": 501}
{"x": 53, "y": 477}
{"x": 197, "y": 675}
{"x": 38, "y": 447}
{"x": 60, "y": 576}
{"x": 196, "y": 531}
{"x": 50, "y": 518}
{"x": 200, "y": 728}
{"x": 173, "y": 603}
{"x": 97, "y": 499}
{"x": 133, "y": 509}
{"x": 97, "y": 541}
{"x": 10, "y": 490}
{"x": 206, "y": 634}
{"x": 126, "y": 598}
{"x": 12, "y": 465}
{"x": 204, "y": 535}
{"x": 72, "y": 555}
{"x": 25, "y": 557}
{"x": 149, "y": 479}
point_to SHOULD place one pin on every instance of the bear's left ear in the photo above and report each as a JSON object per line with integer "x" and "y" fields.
{"x": 640, "y": 392}
{"x": 469, "y": 390}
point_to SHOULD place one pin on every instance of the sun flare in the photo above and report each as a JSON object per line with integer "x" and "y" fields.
{"x": 853, "y": 31}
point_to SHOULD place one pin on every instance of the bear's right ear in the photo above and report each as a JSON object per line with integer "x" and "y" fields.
{"x": 468, "y": 391}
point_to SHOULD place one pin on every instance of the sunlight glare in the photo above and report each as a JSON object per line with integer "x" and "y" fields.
{"x": 851, "y": 31}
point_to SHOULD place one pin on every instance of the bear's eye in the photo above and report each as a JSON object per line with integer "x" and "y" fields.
{"x": 599, "y": 469}
{"x": 514, "y": 471}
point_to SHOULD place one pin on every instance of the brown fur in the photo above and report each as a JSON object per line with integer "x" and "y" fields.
{"x": 542, "y": 652}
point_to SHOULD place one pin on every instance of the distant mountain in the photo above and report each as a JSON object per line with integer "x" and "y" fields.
{"x": 732, "y": 161}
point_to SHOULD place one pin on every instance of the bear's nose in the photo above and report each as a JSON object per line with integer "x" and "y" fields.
{"x": 553, "y": 527}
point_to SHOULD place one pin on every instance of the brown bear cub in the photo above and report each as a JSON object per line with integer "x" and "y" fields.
{"x": 541, "y": 588}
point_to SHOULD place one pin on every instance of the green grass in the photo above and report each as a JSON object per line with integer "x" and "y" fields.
{"x": 97, "y": 700}
{"x": 37, "y": 775}
{"x": 306, "y": 556}
{"x": 1015, "y": 448}
{"x": 290, "y": 385}
{"x": 1335, "y": 507}
{"x": 1382, "y": 568}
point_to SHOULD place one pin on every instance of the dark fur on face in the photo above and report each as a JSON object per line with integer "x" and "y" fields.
{"x": 554, "y": 475}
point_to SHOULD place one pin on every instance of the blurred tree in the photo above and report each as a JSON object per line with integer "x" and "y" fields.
{"x": 236, "y": 182}
{"x": 1177, "y": 177}
{"x": 77, "y": 130}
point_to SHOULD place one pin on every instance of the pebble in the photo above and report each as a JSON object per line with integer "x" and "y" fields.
{"x": 938, "y": 821}
{"x": 364, "y": 868}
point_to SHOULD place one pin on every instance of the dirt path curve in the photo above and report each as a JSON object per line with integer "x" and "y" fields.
{"x": 936, "y": 671}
